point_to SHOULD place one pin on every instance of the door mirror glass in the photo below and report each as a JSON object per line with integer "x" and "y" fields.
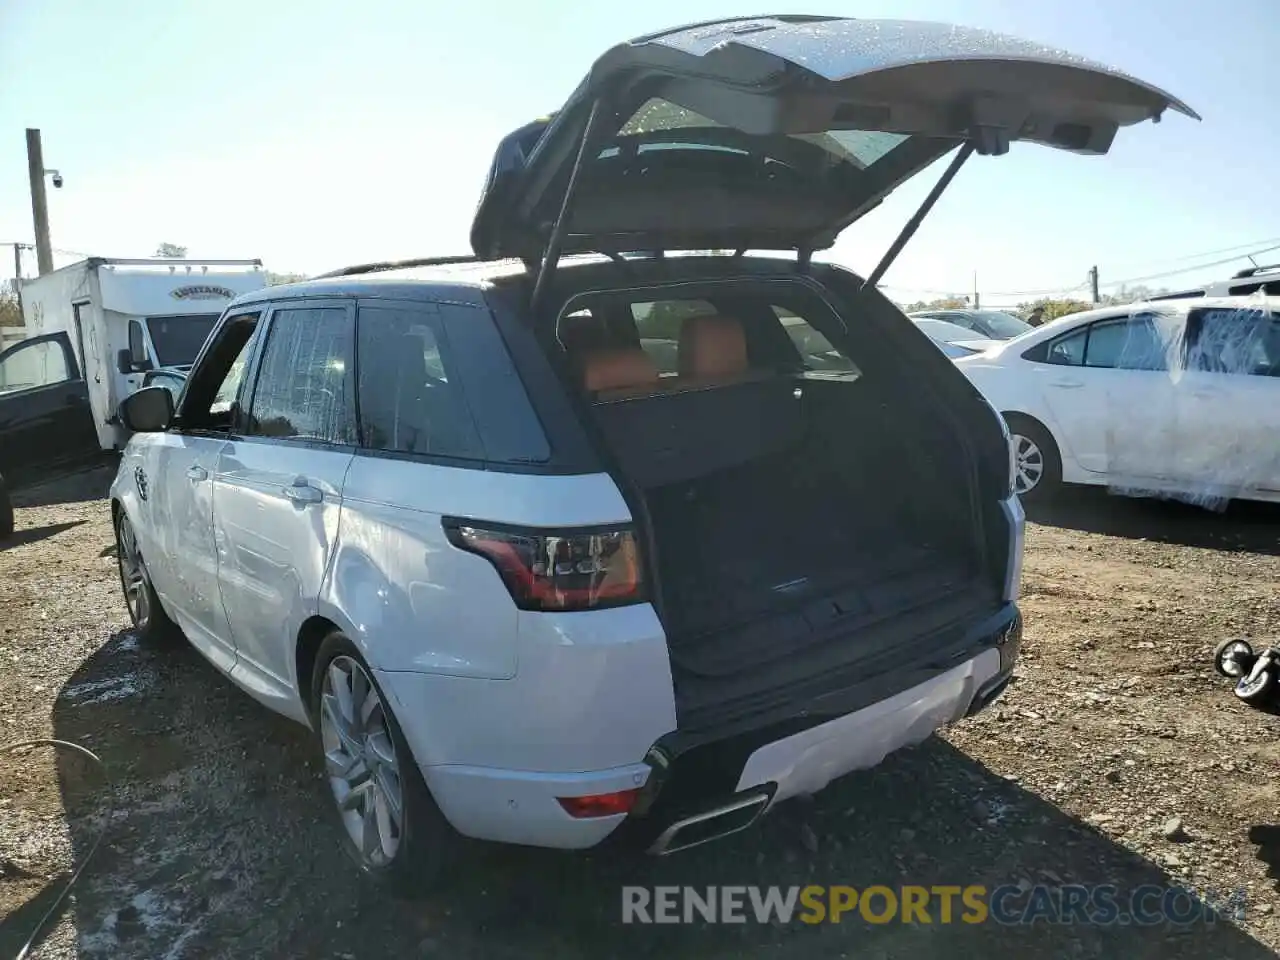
{"x": 150, "y": 410}
{"x": 124, "y": 361}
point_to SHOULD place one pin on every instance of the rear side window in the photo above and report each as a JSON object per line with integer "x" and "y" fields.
{"x": 815, "y": 350}
{"x": 410, "y": 399}
{"x": 1068, "y": 351}
{"x": 437, "y": 380}
{"x": 1244, "y": 341}
{"x": 302, "y": 390}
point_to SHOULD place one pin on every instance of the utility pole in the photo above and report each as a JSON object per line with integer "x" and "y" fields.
{"x": 1093, "y": 284}
{"x": 39, "y": 207}
{"x": 977, "y": 305}
{"x": 17, "y": 277}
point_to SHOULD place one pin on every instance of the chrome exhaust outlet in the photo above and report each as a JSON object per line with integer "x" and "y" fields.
{"x": 711, "y": 825}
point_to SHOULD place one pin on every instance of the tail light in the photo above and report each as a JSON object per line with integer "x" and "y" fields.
{"x": 600, "y": 805}
{"x": 561, "y": 570}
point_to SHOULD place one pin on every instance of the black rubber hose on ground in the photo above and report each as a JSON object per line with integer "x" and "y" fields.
{"x": 49, "y": 914}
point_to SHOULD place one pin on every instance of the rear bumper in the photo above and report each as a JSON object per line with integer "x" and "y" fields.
{"x": 804, "y": 754}
{"x": 720, "y": 787}
{"x": 806, "y": 762}
{"x": 516, "y": 806}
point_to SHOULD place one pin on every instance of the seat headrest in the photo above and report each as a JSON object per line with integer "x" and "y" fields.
{"x": 579, "y": 334}
{"x": 617, "y": 368}
{"x": 712, "y": 346}
{"x": 411, "y": 361}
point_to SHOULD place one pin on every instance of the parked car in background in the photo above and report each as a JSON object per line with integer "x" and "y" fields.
{"x": 987, "y": 324}
{"x": 953, "y": 340}
{"x": 1251, "y": 281}
{"x": 1179, "y": 397}
{"x": 45, "y": 418}
{"x": 533, "y": 564}
{"x": 171, "y": 380}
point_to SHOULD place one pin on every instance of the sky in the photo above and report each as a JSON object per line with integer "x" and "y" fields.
{"x": 321, "y": 133}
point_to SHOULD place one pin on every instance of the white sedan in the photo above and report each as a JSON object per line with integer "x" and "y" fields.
{"x": 952, "y": 339}
{"x": 1175, "y": 398}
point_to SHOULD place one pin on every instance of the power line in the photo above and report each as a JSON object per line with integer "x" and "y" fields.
{"x": 1211, "y": 253}
{"x": 1199, "y": 266}
{"x": 1127, "y": 281}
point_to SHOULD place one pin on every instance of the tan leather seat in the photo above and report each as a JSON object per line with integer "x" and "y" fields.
{"x": 619, "y": 371}
{"x": 713, "y": 349}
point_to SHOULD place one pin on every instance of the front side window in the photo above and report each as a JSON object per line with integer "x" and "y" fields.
{"x": 1127, "y": 343}
{"x": 301, "y": 389}
{"x": 34, "y": 365}
{"x": 211, "y": 390}
{"x": 410, "y": 401}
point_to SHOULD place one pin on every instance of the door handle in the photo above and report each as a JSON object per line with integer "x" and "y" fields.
{"x": 197, "y": 473}
{"x": 301, "y": 492}
{"x": 1066, "y": 384}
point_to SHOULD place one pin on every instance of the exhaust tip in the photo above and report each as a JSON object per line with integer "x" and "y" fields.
{"x": 711, "y": 824}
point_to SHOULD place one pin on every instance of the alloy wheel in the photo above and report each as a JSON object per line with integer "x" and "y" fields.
{"x": 133, "y": 574}
{"x": 1028, "y": 461}
{"x": 360, "y": 761}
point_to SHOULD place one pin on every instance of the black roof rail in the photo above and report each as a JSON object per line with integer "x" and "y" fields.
{"x": 1254, "y": 271}
{"x": 381, "y": 265}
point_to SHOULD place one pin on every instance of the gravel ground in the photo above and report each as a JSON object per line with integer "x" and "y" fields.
{"x": 217, "y": 841}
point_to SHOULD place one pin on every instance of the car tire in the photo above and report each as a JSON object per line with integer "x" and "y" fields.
{"x": 1038, "y": 464}
{"x": 366, "y": 764}
{"x": 149, "y": 620}
{"x": 1235, "y": 650}
{"x": 6, "y": 511}
{"x": 1258, "y": 687}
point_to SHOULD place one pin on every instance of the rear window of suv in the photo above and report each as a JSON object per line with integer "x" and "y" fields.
{"x": 436, "y": 381}
{"x": 778, "y": 337}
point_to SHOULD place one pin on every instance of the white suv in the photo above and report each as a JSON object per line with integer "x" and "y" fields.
{"x": 544, "y": 543}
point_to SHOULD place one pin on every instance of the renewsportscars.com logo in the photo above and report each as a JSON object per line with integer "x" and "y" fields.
{"x": 1093, "y": 905}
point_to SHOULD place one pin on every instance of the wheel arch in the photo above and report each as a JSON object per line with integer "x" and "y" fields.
{"x": 1010, "y": 416}
{"x": 307, "y": 647}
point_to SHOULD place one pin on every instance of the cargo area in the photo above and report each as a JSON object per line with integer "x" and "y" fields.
{"x": 803, "y": 519}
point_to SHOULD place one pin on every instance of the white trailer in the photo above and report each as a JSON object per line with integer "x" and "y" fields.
{"x": 127, "y": 317}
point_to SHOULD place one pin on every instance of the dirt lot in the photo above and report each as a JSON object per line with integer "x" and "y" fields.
{"x": 217, "y": 842}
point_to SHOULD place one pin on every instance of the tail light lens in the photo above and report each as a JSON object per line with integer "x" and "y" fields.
{"x": 561, "y": 570}
{"x": 600, "y": 805}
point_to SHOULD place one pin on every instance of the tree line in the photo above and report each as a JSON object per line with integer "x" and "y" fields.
{"x": 1054, "y": 307}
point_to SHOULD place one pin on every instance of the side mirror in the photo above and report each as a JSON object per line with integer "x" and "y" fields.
{"x": 149, "y": 410}
{"x": 127, "y": 363}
